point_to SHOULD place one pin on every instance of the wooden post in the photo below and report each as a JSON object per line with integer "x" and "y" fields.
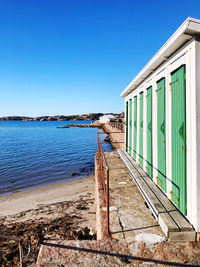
{"x": 21, "y": 254}
{"x": 107, "y": 202}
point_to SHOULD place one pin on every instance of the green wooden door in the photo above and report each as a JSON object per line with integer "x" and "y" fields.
{"x": 126, "y": 124}
{"x": 141, "y": 131}
{"x": 130, "y": 126}
{"x": 135, "y": 128}
{"x": 149, "y": 131}
{"x": 161, "y": 142}
{"x": 179, "y": 139}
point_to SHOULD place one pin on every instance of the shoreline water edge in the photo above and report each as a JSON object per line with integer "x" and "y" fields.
{"x": 36, "y": 153}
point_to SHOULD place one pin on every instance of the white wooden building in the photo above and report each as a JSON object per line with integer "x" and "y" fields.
{"x": 162, "y": 110}
{"x": 106, "y": 118}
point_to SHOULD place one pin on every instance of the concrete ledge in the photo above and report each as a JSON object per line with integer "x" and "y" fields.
{"x": 100, "y": 203}
{"x": 116, "y": 253}
{"x": 182, "y": 236}
{"x": 175, "y": 226}
{"x": 116, "y": 136}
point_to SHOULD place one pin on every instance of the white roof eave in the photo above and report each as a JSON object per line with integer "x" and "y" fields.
{"x": 186, "y": 31}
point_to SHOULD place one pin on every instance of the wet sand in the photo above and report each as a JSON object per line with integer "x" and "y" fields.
{"x": 21, "y": 201}
{"x": 59, "y": 211}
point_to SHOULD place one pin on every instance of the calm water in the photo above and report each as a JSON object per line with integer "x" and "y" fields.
{"x": 36, "y": 153}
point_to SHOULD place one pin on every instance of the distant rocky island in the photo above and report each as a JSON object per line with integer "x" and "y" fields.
{"x": 83, "y": 117}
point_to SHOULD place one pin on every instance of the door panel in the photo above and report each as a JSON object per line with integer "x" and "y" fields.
{"x": 179, "y": 138}
{"x": 149, "y": 131}
{"x": 161, "y": 141}
{"x": 130, "y": 127}
{"x": 141, "y": 131}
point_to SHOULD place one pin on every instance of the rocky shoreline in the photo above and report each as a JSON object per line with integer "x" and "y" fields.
{"x": 95, "y": 124}
{"x": 115, "y": 136}
{"x": 85, "y": 117}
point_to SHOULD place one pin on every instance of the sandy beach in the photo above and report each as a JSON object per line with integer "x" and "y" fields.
{"x": 58, "y": 211}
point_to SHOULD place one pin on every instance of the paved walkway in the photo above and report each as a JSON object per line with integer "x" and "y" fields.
{"x": 130, "y": 218}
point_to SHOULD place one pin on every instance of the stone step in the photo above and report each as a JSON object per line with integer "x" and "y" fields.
{"x": 116, "y": 253}
{"x": 175, "y": 226}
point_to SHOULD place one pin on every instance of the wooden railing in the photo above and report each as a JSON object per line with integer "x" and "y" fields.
{"x": 104, "y": 176}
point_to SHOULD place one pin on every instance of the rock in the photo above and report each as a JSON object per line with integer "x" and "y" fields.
{"x": 77, "y": 125}
{"x": 107, "y": 139}
{"x": 67, "y": 126}
{"x": 96, "y": 123}
{"x": 122, "y": 182}
{"x": 74, "y": 174}
{"x": 89, "y": 116}
{"x": 150, "y": 238}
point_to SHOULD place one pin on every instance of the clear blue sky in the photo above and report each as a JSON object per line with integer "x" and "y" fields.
{"x": 77, "y": 56}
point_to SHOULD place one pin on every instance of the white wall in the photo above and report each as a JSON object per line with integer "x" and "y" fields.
{"x": 197, "y": 98}
{"x": 125, "y": 127}
{"x": 189, "y": 55}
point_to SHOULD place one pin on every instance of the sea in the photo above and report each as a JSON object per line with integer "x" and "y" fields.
{"x": 35, "y": 153}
